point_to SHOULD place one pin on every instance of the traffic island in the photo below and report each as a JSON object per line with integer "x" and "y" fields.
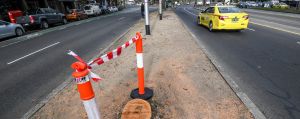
{"x": 186, "y": 84}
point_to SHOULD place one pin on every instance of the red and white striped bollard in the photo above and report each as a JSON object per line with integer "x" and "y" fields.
{"x": 141, "y": 92}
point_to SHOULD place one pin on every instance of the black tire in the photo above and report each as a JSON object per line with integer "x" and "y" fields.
{"x": 19, "y": 32}
{"x": 44, "y": 24}
{"x": 64, "y": 20}
{"x": 199, "y": 21}
{"x": 210, "y": 26}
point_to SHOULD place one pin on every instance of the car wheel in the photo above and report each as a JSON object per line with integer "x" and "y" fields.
{"x": 210, "y": 27}
{"x": 19, "y": 32}
{"x": 198, "y": 21}
{"x": 44, "y": 25}
{"x": 64, "y": 20}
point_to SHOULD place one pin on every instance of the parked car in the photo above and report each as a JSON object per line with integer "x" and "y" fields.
{"x": 76, "y": 14}
{"x": 104, "y": 9}
{"x": 10, "y": 29}
{"x": 41, "y": 17}
{"x": 281, "y": 5}
{"x": 242, "y": 5}
{"x": 113, "y": 9}
{"x": 92, "y": 10}
{"x": 251, "y": 4}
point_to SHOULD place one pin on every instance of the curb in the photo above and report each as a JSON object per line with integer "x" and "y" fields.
{"x": 58, "y": 89}
{"x": 229, "y": 80}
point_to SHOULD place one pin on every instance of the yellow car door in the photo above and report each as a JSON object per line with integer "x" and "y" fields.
{"x": 207, "y": 15}
{"x": 210, "y": 15}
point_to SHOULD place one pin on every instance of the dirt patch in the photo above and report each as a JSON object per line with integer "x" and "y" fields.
{"x": 186, "y": 84}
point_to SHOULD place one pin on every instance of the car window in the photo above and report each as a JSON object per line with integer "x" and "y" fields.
{"x": 209, "y": 10}
{"x": 52, "y": 10}
{"x": 87, "y": 7}
{"x": 39, "y": 12}
{"x": 229, "y": 10}
{"x": 32, "y": 11}
{"x": 49, "y": 10}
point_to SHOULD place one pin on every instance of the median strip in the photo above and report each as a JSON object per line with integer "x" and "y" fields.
{"x": 33, "y": 53}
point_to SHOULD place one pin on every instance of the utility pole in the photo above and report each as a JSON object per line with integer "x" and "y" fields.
{"x": 147, "y": 26}
{"x": 160, "y": 9}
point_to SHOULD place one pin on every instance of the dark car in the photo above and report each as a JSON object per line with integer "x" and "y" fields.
{"x": 41, "y": 17}
{"x": 104, "y": 9}
{"x": 242, "y": 5}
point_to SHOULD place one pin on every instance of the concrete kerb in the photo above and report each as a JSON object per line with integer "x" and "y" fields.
{"x": 42, "y": 32}
{"x": 229, "y": 80}
{"x": 33, "y": 110}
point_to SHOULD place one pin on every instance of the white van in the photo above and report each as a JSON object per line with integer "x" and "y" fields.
{"x": 92, "y": 10}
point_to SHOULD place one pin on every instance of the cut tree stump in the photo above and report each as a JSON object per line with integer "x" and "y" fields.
{"x": 137, "y": 109}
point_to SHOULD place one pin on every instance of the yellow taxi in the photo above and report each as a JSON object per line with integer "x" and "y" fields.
{"x": 223, "y": 18}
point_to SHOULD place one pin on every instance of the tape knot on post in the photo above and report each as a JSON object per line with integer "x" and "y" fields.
{"x": 81, "y": 69}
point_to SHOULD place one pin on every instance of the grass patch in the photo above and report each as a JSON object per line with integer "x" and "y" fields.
{"x": 290, "y": 10}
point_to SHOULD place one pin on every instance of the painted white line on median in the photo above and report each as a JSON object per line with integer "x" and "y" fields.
{"x": 189, "y": 12}
{"x": 121, "y": 18}
{"x": 33, "y": 53}
{"x": 250, "y": 29}
{"x": 276, "y": 28}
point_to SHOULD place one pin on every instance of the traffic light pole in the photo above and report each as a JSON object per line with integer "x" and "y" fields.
{"x": 147, "y": 26}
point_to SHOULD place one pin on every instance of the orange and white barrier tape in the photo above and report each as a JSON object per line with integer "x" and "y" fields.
{"x": 104, "y": 58}
{"x": 113, "y": 54}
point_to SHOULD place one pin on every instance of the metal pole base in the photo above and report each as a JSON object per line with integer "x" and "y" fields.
{"x": 147, "y": 29}
{"x": 148, "y": 94}
{"x": 160, "y": 16}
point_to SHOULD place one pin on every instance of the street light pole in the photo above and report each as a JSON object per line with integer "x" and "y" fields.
{"x": 147, "y": 26}
{"x": 160, "y": 9}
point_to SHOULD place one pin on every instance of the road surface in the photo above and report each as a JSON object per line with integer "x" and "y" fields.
{"x": 31, "y": 69}
{"x": 263, "y": 60}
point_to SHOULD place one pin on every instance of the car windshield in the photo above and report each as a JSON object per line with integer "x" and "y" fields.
{"x": 87, "y": 7}
{"x": 31, "y": 11}
{"x": 229, "y": 10}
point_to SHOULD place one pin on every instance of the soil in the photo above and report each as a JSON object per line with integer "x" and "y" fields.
{"x": 186, "y": 84}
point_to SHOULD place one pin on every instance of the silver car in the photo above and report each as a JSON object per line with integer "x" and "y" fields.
{"x": 9, "y": 29}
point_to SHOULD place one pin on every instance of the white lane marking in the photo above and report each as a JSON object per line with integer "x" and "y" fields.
{"x": 250, "y": 29}
{"x": 189, "y": 12}
{"x": 33, "y": 53}
{"x": 276, "y": 28}
{"x": 62, "y": 28}
{"x": 121, "y": 18}
{"x": 32, "y": 35}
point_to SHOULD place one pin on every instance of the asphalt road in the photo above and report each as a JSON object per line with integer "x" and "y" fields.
{"x": 31, "y": 69}
{"x": 264, "y": 62}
